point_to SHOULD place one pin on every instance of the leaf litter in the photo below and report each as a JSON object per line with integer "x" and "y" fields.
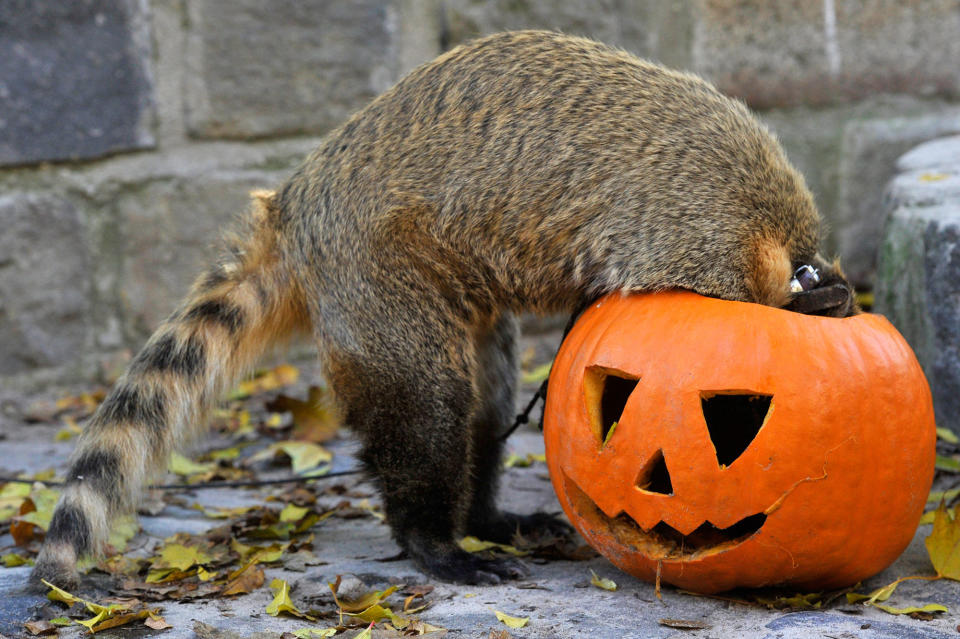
{"x": 219, "y": 565}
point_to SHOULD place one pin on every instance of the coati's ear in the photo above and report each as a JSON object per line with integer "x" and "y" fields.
{"x": 831, "y": 296}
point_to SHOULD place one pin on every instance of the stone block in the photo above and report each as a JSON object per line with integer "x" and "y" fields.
{"x": 801, "y": 52}
{"x": 44, "y": 283}
{"x": 167, "y": 231}
{"x": 918, "y": 271}
{"x": 870, "y": 151}
{"x": 294, "y": 66}
{"x": 75, "y": 79}
{"x": 623, "y": 23}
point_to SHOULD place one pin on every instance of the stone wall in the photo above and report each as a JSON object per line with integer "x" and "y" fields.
{"x": 130, "y": 130}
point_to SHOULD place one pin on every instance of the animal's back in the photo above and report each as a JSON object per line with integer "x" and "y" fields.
{"x": 559, "y": 168}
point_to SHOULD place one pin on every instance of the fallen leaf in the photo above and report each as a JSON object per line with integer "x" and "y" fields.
{"x": 249, "y": 579}
{"x": 947, "y": 435}
{"x": 293, "y": 513}
{"x": 314, "y": 633}
{"x": 910, "y": 610}
{"x": 472, "y": 544}
{"x": 40, "y": 627}
{"x": 949, "y": 464}
{"x": 684, "y": 624}
{"x": 604, "y": 584}
{"x": 537, "y": 375}
{"x": 264, "y": 381}
{"x": 13, "y": 560}
{"x": 933, "y": 177}
{"x": 180, "y": 465}
{"x": 943, "y": 544}
{"x": 303, "y": 456}
{"x": 314, "y": 420}
{"x": 282, "y": 602}
{"x": 157, "y": 623}
{"x": 937, "y": 496}
{"x": 516, "y": 461}
{"x": 512, "y": 622}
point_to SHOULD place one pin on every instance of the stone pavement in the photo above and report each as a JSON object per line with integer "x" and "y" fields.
{"x": 557, "y": 596}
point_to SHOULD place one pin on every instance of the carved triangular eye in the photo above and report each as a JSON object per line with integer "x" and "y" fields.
{"x": 606, "y": 393}
{"x": 733, "y": 421}
{"x": 654, "y": 477}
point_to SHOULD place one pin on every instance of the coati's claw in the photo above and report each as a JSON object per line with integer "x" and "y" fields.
{"x": 462, "y": 567}
{"x": 508, "y": 525}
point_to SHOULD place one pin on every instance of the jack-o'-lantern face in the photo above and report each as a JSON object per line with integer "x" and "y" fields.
{"x": 738, "y": 445}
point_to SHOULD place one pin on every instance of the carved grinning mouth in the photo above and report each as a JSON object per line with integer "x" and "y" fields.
{"x": 663, "y": 541}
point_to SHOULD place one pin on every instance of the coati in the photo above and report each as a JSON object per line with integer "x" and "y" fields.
{"x": 525, "y": 171}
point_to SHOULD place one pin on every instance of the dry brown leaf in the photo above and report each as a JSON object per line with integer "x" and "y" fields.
{"x": 40, "y": 627}
{"x": 249, "y": 579}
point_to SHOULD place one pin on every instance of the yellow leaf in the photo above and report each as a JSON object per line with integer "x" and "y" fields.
{"x": 282, "y": 602}
{"x": 943, "y": 544}
{"x": 180, "y": 557}
{"x": 293, "y": 513}
{"x": 12, "y": 560}
{"x": 948, "y": 435}
{"x": 911, "y": 609}
{"x": 512, "y": 622}
{"x": 516, "y": 461}
{"x": 937, "y": 496}
{"x": 472, "y": 544}
{"x": 114, "y": 620}
{"x": 303, "y": 455}
{"x": 204, "y": 575}
{"x": 124, "y": 529}
{"x": 933, "y": 177}
{"x": 537, "y": 375}
{"x": 366, "y": 634}
{"x": 58, "y": 594}
{"x": 605, "y": 584}
{"x": 314, "y": 420}
{"x": 613, "y": 427}
{"x": 314, "y": 633}
{"x": 180, "y": 465}
{"x": 364, "y": 601}
{"x": 265, "y": 381}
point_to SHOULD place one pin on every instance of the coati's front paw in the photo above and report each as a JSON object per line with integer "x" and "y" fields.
{"x": 459, "y": 566}
{"x": 503, "y": 528}
{"x": 829, "y": 295}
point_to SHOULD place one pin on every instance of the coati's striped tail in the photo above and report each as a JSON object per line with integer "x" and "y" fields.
{"x": 235, "y": 312}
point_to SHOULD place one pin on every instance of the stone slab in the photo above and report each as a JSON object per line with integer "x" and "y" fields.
{"x": 622, "y": 23}
{"x": 44, "y": 282}
{"x": 802, "y": 52}
{"x": 867, "y": 163}
{"x": 75, "y": 79}
{"x": 290, "y": 66}
{"x": 918, "y": 282}
{"x": 556, "y": 596}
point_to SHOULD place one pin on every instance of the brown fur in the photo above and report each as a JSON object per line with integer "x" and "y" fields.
{"x": 527, "y": 171}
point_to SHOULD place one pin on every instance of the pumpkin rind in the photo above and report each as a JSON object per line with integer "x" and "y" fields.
{"x": 841, "y": 466}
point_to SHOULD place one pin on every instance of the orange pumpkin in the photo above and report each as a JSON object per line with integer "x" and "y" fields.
{"x": 736, "y": 444}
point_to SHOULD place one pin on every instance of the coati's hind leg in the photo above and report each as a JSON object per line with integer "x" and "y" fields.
{"x": 496, "y": 385}
{"x": 403, "y": 375}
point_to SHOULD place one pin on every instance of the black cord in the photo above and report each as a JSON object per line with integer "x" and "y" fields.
{"x": 206, "y": 485}
{"x": 524, "y": 416}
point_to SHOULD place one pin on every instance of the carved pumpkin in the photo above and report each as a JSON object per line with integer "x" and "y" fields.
{"x": 736, "y": 444}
